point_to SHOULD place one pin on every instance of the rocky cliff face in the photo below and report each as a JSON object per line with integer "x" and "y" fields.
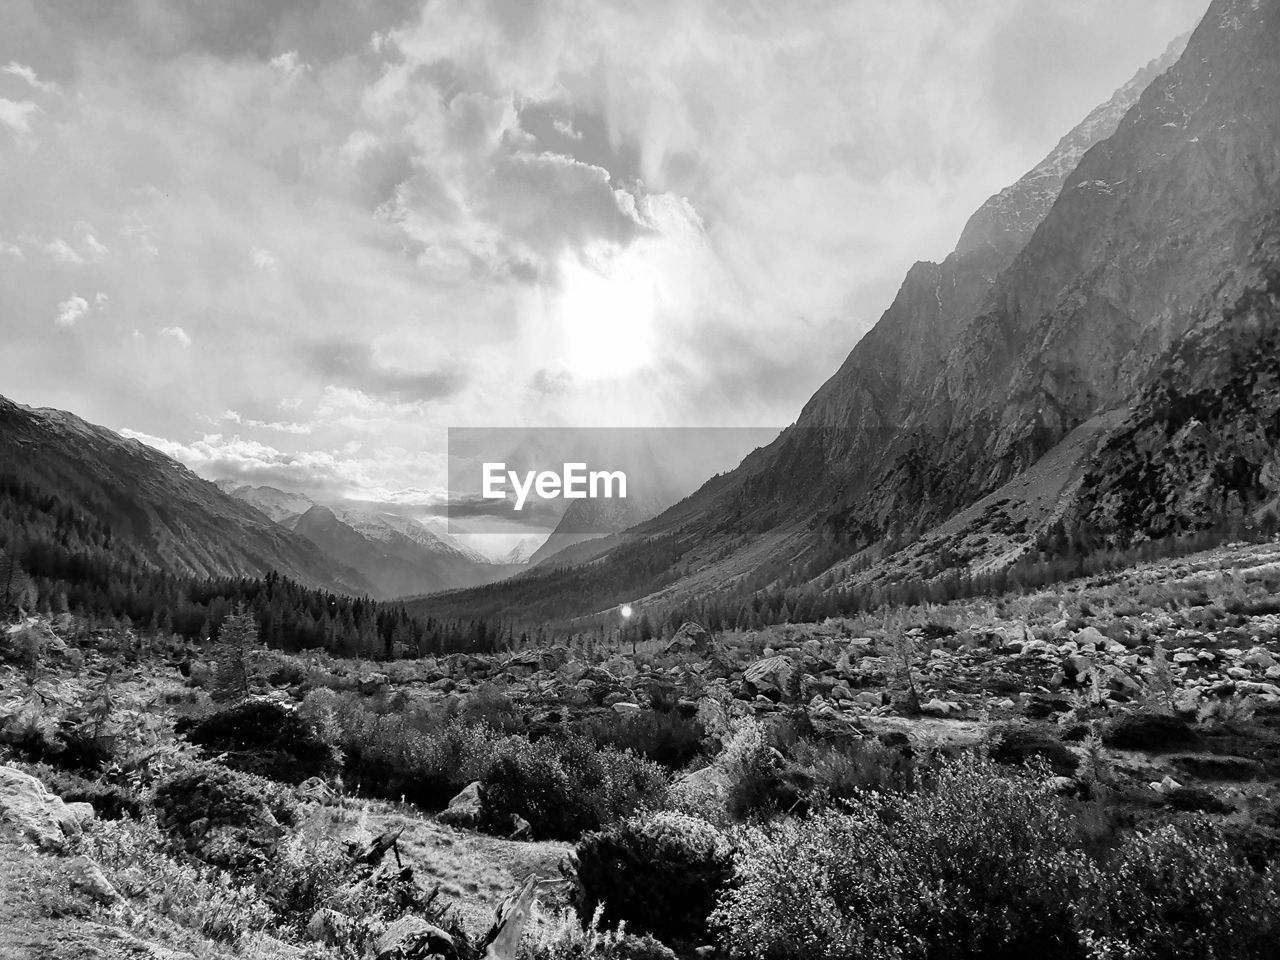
{"x": 986, "y": 361}
{"x": 1202, "y": 443}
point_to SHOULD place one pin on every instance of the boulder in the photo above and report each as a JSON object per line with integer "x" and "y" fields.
{"x": 623, "y": 707}
{"x": 768, "y": 677}
{"x": 37, "y": 814}
{"x": 690, "y": 638}
{"x": 467, "y": 808}
{"x": 412, "y": 938}
{"x": 86, "y": 876}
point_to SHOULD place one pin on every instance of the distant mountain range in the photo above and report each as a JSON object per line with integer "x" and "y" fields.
{"x": 171, "y": 519}
{"x": 399, "y": 555}
{"x": 164, "y": 514}
{"x": 1096, "y": 355}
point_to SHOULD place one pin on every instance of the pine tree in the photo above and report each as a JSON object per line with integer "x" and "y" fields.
{"x": 235, "y": 676}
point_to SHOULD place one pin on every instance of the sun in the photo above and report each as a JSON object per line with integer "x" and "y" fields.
{"x": 606, "y": 313}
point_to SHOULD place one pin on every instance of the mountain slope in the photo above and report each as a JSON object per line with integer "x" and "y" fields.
{"x": 397, "y": 555}
{"x": 167, "y": 516}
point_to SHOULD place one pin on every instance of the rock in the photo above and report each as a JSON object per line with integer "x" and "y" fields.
{"x": 690, "y": 638}
{"x": 38, "y": 815}
{"x": 374, "y": 682}
{"x": 942, "y": 707}
{"x": 330, "y": 927}
{"x": 768, "y": 677}
{"x": 412, "y": 938}
{"x": 624, "y": 707}
{"x": 467, "y": 808}
{"x": 1259, "y": 658}
{"x": 87, "y": 877}
{"x": 520, "y": 827}
{"x": 82, "y": 813}
{"x": 315, "y": 790}
{"x": 1090, "y": 635}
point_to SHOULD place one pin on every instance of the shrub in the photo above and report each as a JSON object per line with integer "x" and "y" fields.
{"x": 1148, "y": 731}
{"x": 110, "y": 800}
{"x": 842, "y": 771}
{"x": 564, "y": 938}
{"x": 565, "y": 787}
{"x": 969, "y": 868}
{"x": 660, "y": 873}
{"x": 1178, "y": 892}
{"x": 223, "y": 817}
{"x": 136, "y": 859}
{"x": 667, "y": 737}
{"x": 1016, "y": 744}
{"x": 266, "y": 738}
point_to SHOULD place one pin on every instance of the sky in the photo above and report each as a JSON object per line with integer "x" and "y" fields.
{"x": 294, "y": 242}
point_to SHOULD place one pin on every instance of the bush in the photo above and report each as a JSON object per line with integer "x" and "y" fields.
{"x": 136, "y": 859}
{"x": 1180, "y": 892}
{"x": 110, "y": 800}
{"x": 1148, "y": 731}
{"x": 969, "y": 869}
{"x": 564, "y": 938}
{"x": 266, "y": 738}
{"x": 1016, "y": 744}
{"x": 223, "y": 817}
{"x": 565, "y": 787}
{"x": 667, "y": 737}
{"x": 660, "y": 873}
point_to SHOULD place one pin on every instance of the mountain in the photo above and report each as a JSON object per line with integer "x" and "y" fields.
{"x": 523, "y": 551}
{"x": 155, "y": 508}
{"x": 396, "y": 559}
{"x": 397, "y": 555}
{"x": 993, "y": 398}
{"x": 279, "y": 505}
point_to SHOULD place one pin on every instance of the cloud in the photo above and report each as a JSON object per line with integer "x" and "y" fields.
{"x": 355, "y": 368}
{"x": 298, "y": 429}
{"x": 398, "y": 215}
{"x": 59, "y": 251}
{"x": 389, "y": 475}
{"x": 17, "y": 114}
{"x": 29, "y": 76}
{"x": 70, "y": 311}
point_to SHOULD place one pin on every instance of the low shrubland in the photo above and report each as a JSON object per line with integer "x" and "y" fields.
{"x": 985, "y": 863}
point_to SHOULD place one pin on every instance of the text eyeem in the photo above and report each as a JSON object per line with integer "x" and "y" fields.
{"x": 575, "y": 482}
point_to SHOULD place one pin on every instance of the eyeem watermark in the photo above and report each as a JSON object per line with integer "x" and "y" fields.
{"x": 575, "y": 482}
{"x": 581, "y": 482}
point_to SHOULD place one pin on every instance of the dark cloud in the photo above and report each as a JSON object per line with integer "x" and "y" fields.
{"x": 320, "y": 30}
{"x": 551, "y": 201}
{"x": 351, "y": 363}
